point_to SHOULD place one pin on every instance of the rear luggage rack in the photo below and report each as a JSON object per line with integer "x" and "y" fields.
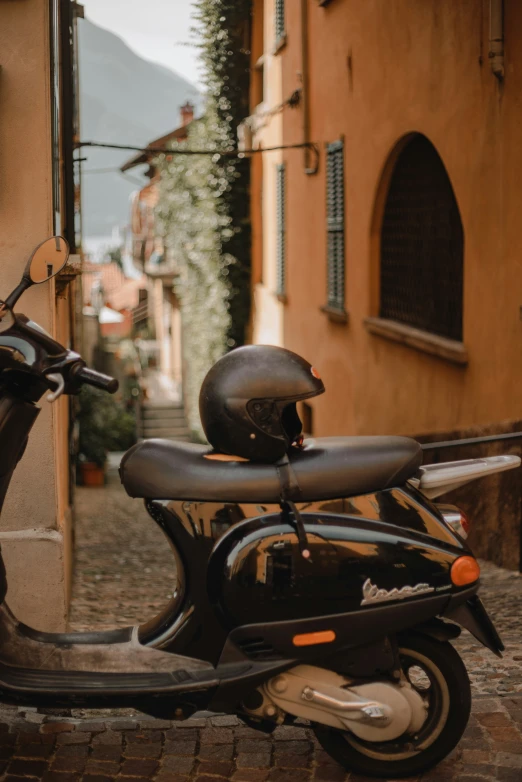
{"x": 437, "y": 479}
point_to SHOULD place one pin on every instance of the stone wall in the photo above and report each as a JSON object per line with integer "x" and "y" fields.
{"x": 493, "y": 504}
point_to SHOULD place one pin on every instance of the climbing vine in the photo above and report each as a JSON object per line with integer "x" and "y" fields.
{"x": 203, "y": 205}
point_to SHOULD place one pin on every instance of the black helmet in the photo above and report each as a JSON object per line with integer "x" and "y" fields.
{"x": 247, "y": 401}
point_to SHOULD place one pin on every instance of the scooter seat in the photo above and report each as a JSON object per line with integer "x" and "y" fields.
{"x": 326, "y": 468}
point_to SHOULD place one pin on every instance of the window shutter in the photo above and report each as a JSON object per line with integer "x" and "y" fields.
{"x": 279, "y": 19}
{"x": 281, "y": 231}
{"x": 335, "y": 224}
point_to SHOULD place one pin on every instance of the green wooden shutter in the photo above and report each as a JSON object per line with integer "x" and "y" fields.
{"x": 281, "y": 231}
{"x": 279, "y": 19}
{"x": 335, "y": 224}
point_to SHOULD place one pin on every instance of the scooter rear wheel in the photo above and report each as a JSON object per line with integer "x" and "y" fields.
{"x": 437, "y": 672}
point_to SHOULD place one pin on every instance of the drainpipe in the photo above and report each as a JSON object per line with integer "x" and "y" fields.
{"x": 496, "y": 37}
{"x": 309, "y": 169}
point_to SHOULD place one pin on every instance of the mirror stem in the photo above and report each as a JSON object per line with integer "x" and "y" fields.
{"x": 15, "y": 295}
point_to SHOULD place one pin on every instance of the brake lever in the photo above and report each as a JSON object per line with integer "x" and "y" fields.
{"x": 60, "y": 382}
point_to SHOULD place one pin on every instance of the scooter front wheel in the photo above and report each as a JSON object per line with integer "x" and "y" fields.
{"x": 438, "y": 674}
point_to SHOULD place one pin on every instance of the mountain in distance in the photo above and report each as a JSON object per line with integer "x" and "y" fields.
{"x": 124, "y": 99}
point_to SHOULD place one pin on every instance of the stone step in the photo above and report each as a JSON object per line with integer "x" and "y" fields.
{"x": 163, "y": 412}
{"x": 161, "y": 404}
{"x": 165, "y": 431}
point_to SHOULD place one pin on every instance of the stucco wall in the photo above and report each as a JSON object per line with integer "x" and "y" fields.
{"x": 379, "y": 71}
{"x": 35, "y": 514}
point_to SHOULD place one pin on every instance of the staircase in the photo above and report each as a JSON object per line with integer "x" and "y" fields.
{"x": 164, "y": 419}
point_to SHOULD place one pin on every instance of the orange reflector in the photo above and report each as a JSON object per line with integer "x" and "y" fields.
{"x": 311, "y": 639}
{"x": 465, "y": 570}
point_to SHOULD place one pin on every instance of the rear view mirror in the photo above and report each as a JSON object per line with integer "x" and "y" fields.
{"x": 47, "y": 260}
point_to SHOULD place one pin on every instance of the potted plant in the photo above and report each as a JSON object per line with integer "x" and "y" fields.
{"x": 104, "y": 426}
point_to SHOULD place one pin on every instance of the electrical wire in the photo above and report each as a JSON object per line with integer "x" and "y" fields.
{"x": 220, "y": 152}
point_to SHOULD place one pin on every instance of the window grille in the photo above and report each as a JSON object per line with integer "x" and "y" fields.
{"x": 335, "y": 224}
{"x": 279, "y": 19}
{"x": 281, "y": 231}
{"x": 422, "y": 245}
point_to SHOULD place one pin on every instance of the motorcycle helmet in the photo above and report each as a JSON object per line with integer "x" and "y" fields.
{"x": 247, "y": 401}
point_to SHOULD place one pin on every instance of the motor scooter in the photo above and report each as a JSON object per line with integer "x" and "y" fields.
{"x": 354, "y": 637}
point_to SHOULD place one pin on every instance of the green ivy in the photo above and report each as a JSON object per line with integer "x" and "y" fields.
{"x": 203, "y": 206}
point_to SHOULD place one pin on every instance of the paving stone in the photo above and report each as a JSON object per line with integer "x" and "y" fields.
{"x": 287, "y": 775}
{"x": 31, "y": 751}
{"x": 135, "y": 767}
{"x": 69, "y": 764}
{"x": 288, "y": 760}
{"x": 142, "y": 736}
{"x": 155, "y": 724}
{"x": 91, "y": 727}
{"x": 216, "y": 768}
{"x": 216, "y": 752}
{"x": 226, "y": 721}
{"x": 140, "y": 750}
{"x": 57, "y": 727}
{"x": 72, "y": 751}
{"x": 289, "y": 733}
{"x": 217, "y": 736}
{"x": 329, "y": 774}
{"x": 250, "y": 775}
{"x": 253, "y": 760}
{"x": 508, "y": 774}
{"x": 108, "y": 738}
{"x": 497, "y": 719}
{"x": 179, "y": 747}
{"x": 29, "y": 768}
{"x": 106, "y": 752}
{"x": 178, "y": 734}
{"x": 77, "y": 737}
{"x": 178, "y": 765}
{"x": 168, "y": 776}
{"x": 105, "y": 767}
{"x": 510, "y": 760}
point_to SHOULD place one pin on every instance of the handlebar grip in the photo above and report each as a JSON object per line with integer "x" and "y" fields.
{"x": 96, "y": 379}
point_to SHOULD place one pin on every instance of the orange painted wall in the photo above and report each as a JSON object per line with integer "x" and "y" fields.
{"x": 379, "y": 70}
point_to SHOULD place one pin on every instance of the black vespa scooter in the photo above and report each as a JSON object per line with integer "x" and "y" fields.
{"x": 354, "y": 639}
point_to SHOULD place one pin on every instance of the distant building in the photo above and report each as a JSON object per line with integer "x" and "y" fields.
{"x": 391, "y": 260}
{"x": 160, "y": 308}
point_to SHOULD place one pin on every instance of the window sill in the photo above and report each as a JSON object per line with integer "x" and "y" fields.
{"x": 447, "y": 349}
{"x": 335, "y": 314}
{"x": 280, "y": 44}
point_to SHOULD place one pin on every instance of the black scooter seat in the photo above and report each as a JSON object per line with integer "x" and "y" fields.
{"x": 326, "y": 468}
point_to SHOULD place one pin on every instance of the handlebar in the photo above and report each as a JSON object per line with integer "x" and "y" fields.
{"x": 96, "y": 379}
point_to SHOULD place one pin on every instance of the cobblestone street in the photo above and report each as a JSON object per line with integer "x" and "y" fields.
{"x": 123, "y": 575}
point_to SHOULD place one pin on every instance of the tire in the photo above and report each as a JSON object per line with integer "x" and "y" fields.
{"x": 448, "y": 692}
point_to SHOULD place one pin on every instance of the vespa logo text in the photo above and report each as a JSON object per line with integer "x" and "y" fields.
{"x": 372, "y": 593}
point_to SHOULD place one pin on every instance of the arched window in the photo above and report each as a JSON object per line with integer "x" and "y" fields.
{"x": 422, "y": 245}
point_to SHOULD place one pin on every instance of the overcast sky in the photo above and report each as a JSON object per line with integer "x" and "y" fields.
{"x": 155, "y": 29}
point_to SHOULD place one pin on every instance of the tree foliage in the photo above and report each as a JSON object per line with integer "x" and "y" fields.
{"x": 203, "y": 205}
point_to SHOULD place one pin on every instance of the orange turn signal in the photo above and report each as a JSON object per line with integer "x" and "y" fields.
{"x": 311, "y": 639}
{"x": 464, "y": 571}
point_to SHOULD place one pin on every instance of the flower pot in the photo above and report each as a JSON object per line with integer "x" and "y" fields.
{"x": 92, "y": 474}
